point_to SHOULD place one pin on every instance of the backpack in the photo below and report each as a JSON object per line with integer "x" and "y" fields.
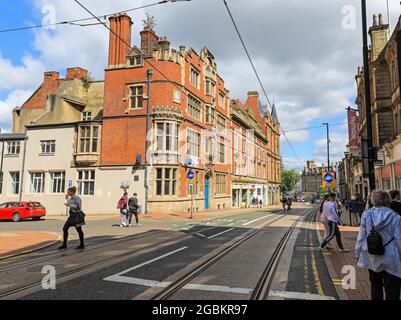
{"x": 375, "y": 242}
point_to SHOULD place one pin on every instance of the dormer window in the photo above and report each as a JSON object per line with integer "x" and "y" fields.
{"x": 86, "y": 116}
{"x": 136, "y": 61}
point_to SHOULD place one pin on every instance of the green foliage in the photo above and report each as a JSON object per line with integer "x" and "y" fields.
{"x": 289, "y": 178}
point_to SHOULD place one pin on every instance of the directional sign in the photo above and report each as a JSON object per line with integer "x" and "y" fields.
{"x": 69, "y": 183}
{"x": 191, "y": 175}
{"x": 328, "y": 178}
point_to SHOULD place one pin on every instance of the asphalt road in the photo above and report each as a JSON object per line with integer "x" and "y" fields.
{"x": 142, "y": 265}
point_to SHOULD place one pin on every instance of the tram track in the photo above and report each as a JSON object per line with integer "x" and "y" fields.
{"x": 262, "y": 287}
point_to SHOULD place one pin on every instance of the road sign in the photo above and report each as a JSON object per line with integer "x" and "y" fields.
{"x": 328, "y": 180}
{"x": 69, "y": 183}
{"x": 191, "y": 175}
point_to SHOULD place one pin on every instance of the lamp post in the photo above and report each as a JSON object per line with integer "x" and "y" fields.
{"x": 366, "y": 67}
{"x": 149, "y": 75}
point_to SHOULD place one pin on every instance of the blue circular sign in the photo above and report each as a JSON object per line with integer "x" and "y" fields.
{"x": 328, "y": 177}
{"x": 191, "y": 175}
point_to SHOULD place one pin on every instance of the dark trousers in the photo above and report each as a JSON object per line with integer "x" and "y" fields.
{"x": 334, "y": 231}
{"x": 133, "y": 214}
{"x": 381, "y": 282}
{"x": 67, "y": 226}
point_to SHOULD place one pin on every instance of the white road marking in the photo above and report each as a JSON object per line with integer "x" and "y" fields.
{"x": 190, "y": 286}
{"x": 147, "y": 262}
{"x": 252, "y": 221}
{"x": 220, "y": 233}
{"x": 205, "y": 287}
{"x": 200, "y": 234}
{"x": 299, "y": 295}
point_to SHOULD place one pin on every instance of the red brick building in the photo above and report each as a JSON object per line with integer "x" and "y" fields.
{"x": 188, "y": 98}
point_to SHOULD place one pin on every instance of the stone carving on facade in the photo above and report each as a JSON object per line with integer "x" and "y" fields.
{"x": 166, "y": 112}
{"x": 389, "y": 150}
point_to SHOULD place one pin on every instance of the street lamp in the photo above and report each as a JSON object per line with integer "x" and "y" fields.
{"x": 149, "y": 75}
{"x": 366, "y": 67}
{"x": 328, "y": 146}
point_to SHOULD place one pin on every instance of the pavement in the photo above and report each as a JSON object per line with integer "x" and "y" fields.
{"x": 340, "y": 262}
{"x": 12, "y": 243}
{"x": 29, "y": 236}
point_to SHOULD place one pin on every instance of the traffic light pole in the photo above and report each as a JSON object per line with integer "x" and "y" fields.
{"x": 149, "y": 76}
{"x": 366, "y": 68}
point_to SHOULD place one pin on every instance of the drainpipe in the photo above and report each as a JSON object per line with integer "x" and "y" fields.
{"x": 23, "y": 168}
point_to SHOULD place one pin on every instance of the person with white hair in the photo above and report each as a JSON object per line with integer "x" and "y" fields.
{"x": 378, "y": 247}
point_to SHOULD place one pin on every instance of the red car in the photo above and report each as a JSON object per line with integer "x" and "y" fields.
{"x": 17, "y": 211}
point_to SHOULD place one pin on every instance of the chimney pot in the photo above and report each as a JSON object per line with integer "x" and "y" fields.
{"x": 380, "y": 19}
{"x": 375, "y": 20}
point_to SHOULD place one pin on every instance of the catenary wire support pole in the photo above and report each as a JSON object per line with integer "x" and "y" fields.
{"x": 328, "y": 147}
{"x": 149, "y": 75}
{"x": 366, "y": 68}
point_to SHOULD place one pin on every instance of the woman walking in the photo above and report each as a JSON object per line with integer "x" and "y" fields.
{"x": 76, "y": 218}
{"x": 122, "y": 205}
{"x": 381, "y": 228}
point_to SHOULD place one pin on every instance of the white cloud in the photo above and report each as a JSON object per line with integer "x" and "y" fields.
{"x": 337, "y": 148}
{"x": 15, "y": 98}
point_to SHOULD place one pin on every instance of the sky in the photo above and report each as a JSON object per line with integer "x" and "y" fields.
{"x": 306, "y": 53}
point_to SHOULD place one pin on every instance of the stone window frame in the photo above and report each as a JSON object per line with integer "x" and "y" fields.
{"x": 221, "y": 183}
{"x": 160, "y": 181}
{"x": 15, "y": 184}
{"x": 48, "y": 146}
{"x": 191, "y": 143}
{"x": 210, "y": 87}
{"x": 86, "y": 177}
{"x": 175, "y": 142}
{"x": 13, "y": 148}
{"x": 223, "y": 97}
{"x": 194, "y": 107}
{"x": 194, "y": 77}
{"x": 90, "y": 140}
{"x": 87, "y": 116}
{"x": 136, "y": 98}
{"x": 57, "y": 184}
{"x": 37, "y": 182}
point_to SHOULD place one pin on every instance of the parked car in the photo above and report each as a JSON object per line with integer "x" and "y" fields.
{"x": 21, "y": 210}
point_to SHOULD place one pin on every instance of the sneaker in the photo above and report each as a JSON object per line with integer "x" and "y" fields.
{"x": 329, "y": 248}
{"x": 63, "y": 247}
{"x": 138, "y": 225}
{"x": 324, "y": 249}
{"x": 130, "y": 226}
{"x": 81, "y": 247}
{"x": 344, "y": 250}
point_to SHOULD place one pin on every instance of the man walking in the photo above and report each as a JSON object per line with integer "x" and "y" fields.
{"x": 333, "y": 221}
{"x": 133, "y": 206}
{"x": 284, "y": 202}
{"x": 353, "y": 208}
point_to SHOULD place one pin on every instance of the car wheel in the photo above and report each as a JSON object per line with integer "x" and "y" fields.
{"x": 16, "y": 217}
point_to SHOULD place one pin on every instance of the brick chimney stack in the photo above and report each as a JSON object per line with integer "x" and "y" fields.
{"x": 149, "y": 41}
{"x": 118, "y": 45}
{"x": 76, "y": 73}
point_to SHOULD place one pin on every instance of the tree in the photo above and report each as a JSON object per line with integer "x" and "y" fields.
{"x": 289, "y": 178}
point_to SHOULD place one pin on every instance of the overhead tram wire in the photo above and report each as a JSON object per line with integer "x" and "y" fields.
{"x": 257, "y": 76}
{"x": 214, "y": 117}
{"x": 317, "y": 127}
{"x": 74, "y": 22}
